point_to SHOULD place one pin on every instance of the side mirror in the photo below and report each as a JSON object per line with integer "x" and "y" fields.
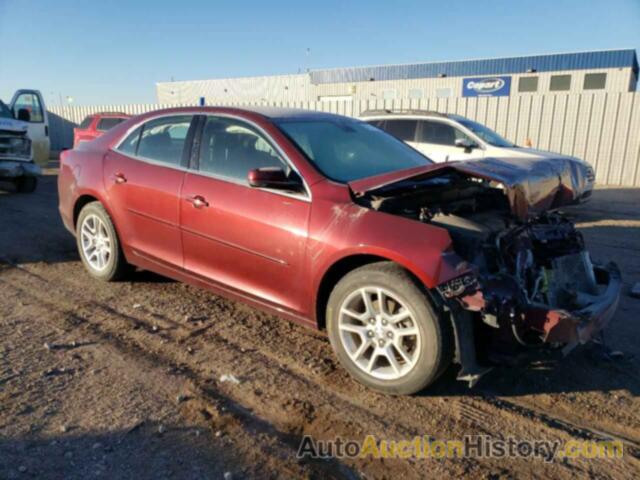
{"x": 274, "y": 177}
{"x": 465, "y": 143}
{"x": 24, "y": 115}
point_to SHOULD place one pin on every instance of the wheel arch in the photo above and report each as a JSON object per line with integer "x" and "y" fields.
{"x": 342, "y": 267}
{"x": 80, "y": 203}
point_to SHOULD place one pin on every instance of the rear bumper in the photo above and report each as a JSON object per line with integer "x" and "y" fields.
{"x": 16, "y": 169}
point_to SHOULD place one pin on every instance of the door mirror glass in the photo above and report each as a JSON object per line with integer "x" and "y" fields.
{"x": 274, "y": 177}
{"x": 24, "y": 115}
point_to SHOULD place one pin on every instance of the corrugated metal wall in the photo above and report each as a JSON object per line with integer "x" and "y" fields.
{"x": 488, "y": 66}
{"x": 602, "y": 128}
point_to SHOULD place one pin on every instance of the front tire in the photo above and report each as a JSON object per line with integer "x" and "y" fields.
{"x": 384, "y": 330}
{"x": 98, "y": 244}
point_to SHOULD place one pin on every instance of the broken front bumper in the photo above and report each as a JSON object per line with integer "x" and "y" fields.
{"x": 16, "y": 169}
{"x": 556, "y": 326}
{"x": 579, "y": 326}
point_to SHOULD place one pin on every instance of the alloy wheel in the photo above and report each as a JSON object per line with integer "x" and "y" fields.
{"x": 379, "y": 333}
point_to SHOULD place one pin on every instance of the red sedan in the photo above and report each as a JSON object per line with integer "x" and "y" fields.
{"x": 95, "y": 125}
{"x": 333, "y": 223}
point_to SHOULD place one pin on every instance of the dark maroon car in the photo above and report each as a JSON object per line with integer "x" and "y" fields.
{"x": 333, "y": 223}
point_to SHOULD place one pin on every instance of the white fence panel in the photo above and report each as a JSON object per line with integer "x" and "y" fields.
{"x": 602, "y": 128}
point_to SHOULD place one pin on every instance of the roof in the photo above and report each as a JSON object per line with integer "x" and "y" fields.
{"x": 492, "y": 66}
{"x": 273, "y": 113}
{"x": 409, "y": 112}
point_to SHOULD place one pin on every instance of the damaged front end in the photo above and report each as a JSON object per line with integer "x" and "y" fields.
{"x": 527, "y": 282}
{"x": 538, "y": 283}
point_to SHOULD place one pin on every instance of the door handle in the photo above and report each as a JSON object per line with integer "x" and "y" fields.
{"x": 198, "y": 201}
{"x": 119, "y": 178}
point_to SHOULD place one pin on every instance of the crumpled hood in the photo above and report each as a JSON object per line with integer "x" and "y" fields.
{"x": 523, "y": 152}
{"x": 532, "y": 185}
{"x": 11, "y": 125}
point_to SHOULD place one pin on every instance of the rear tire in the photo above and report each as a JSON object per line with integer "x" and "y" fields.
{"x": 98, "y": 244}
{"x": 26, "y": 184}
{"x": 397, "y": 350}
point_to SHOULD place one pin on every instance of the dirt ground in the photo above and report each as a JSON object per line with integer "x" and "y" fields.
{"x": 127, "y": 380}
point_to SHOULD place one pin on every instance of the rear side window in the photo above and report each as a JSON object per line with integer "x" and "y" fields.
{"x": 405, "y": 130}
{"x": 108, "y": 123}
{"x": 86, "y": 122}
{"x": 230, "y": 148}
{"x": 163, "y": 139}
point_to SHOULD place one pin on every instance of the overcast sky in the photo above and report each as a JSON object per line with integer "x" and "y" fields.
{"x": 112, "y": 51}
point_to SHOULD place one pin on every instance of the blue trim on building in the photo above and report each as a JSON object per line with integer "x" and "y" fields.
{"x": 496, "y": 66}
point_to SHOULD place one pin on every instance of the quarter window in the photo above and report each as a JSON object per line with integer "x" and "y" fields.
{"x": 231, "y": 148}
{"x": 30, "y": 102}
{"x": 163, "y": 139}
{"x": 560, "y": 83}
{"x": 595, "y": 81}
{"x": 528, "y": 84}
{"x": 405, "y": 130}
{"x": 130, "y": 144}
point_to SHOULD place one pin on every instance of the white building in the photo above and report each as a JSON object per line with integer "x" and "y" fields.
{"x": 610, "y": 71}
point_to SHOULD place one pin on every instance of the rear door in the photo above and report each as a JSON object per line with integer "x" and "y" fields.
{"x": 32, "y": 101}
{"x": 436, "y": 139}
{"x": 249, "y": 239}
{"x": 143, "y": 177}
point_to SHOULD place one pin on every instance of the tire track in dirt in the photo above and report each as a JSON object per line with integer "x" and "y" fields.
{"x": 290, "y": 428}
{"x": 206, "y": 401}
{"x": 464, "y": 414}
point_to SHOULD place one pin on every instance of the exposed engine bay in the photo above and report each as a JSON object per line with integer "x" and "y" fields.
{"x": 529, "y": 281}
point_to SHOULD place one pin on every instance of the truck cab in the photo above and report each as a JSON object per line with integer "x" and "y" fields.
{"x": 37, "y": 121}
{"x": 24, "y": 139}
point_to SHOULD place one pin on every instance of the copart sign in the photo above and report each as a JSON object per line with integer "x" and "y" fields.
{"x": 486, "y": 87}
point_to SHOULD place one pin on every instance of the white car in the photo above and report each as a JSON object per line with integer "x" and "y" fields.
{"x": 448, "y": 137}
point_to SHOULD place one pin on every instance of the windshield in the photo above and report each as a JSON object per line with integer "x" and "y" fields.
{"x": 486, "y": 134}
{"x": 4, "y": 111}
{"x": 345, "y": 150}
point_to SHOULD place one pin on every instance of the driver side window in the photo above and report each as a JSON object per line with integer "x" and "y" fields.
{"x": 440, "y": 133}
{"x": 31, "y": 103}
{"x": 231, "y": 148}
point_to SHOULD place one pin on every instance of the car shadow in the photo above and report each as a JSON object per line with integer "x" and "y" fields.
{"x": 145, "y": 450}
{"x": 584, "y": 370}
{"x": 133, "y": 453}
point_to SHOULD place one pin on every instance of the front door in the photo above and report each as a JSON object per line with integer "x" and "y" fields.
{"x": 437, "y": 139}
{"x": 38, "y": 131}
{"x": 249, "y": 239}
{"x": 143, "y": 177}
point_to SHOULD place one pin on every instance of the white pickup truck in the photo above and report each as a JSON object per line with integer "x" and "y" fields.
{"x": 24, "y": 139}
